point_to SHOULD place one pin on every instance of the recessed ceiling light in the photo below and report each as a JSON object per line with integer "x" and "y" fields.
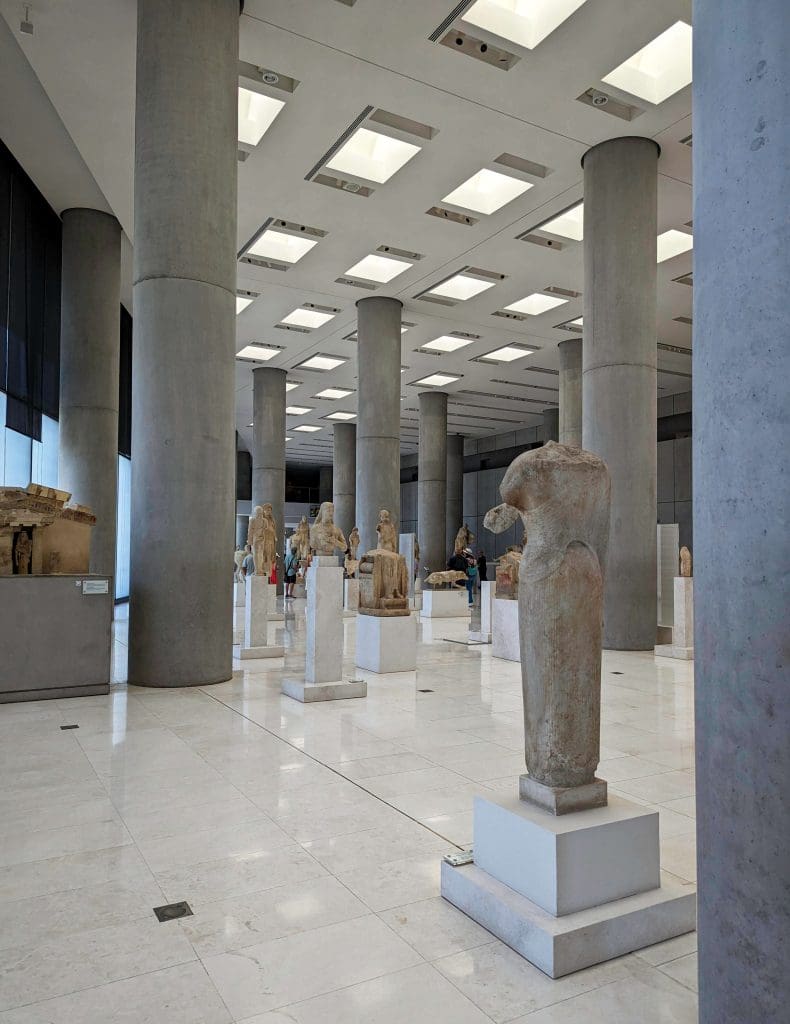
{"x": 256, "y": 113}
{"x": 446, "y": 343}
{"x": 487, "y": 191}
{"x": 334, "y": 393}
{"x": 568, "y": 224}
{"x": 321, "y": 362}
{"x": 372, "y": 155}
{"x": 461, "y": 287}
{"x": 378, "y": 268}
{"x": 242, "y": 301}
{"x": 525, "y": 22}
{"x": 258, "y": 352}
{"x": 250, "y": 424}
{"x": 289, "y": 439}
{"x": 277, "y": 245}
{"x": 307, "y": 429}
{"x": 535, "y": 304}
{"x": 291, "y": 384}
{"x": 297, "y": 410}
{"x": 438, "y": 380}
{"x": 342, "y": 416}
{"x": 311, "y": 318}
{"x": 507, "y": 354}
{"x": 672, "y": 243}
{"x": 658, "y": 70}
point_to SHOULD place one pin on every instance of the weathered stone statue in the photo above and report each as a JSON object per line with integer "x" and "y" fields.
{"x": 507, "y": 568}
{"x": 325, "y": 535}
{"x": 354, "y": 541}
{"x": 383, "y": 575}
{"x": 388, "y": 536}
{"x": 300, "y": 540}
{"x": 562, "y": 495}
{"x": 685, "y": 562}
{"x": 451, "y": 578}
{"x": 23, "y": 552}
{"x": 463, "y": 539}
{"x": 262, "y": 538}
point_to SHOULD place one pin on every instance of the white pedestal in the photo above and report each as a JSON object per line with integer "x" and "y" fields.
{"x": 571, "y": 891}
{"x": 271, "y": 605}
{"x": 239, "y": 591}
{"x": 406, "y": 547}
{"x": 504, "y": 629}
{"x": 682, "y": 646}
{"x": 485, "y": 633}
{"x": 307, "y": 693}
{"x": 387, "y": 643}
{"x": 350, "y": 597}
{"x": 256, "y": 623}
{"x": 444, "y": 604}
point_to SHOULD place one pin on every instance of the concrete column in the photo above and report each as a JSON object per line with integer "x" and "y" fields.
{"x": 378, "y": 414}
{"x": 551, "y": 425}
{"x": 619, "y": 372}
{"x": 741, "y": 94}
{"x": 90, "y": 325}
{"x": 242, "y": 527}
{"x": 268, "y": 449}
{"x": 455, "y": 489}
{"x": 186, "y": 125}
{"x": 344, "y": 476}
{"x": 325, "y": 486}
{"x": 570, "y": 423}
{"x": 432, "y": 481}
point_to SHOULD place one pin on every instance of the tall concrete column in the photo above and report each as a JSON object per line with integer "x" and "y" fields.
{"x": 325, "y": 485}
{"x": 344, "y": 475}
{"x": 90, "y": 324}
{"x": 432, "y": 481}
{"x": 741, "y": 493}
{"x": 242, "y": 528}
{"x": 551, "y": 425}
{"x": 268, "y": 449}
{"x": 570, "y": 422}
{"x": 186, "y": 125}
{"x": 619, "y": 372}
{"x": 455, "y": 489}
{"x": 378, "y": 413}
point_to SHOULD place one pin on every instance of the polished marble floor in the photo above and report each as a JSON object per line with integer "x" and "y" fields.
{"x": 307, "y": 840}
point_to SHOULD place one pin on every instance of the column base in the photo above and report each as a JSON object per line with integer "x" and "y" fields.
{"x": 445, "y": 604}
{"x": 562, "y": 800}
{"x": 505, "y": 629}
{"x": 242, "y": 653}
{"x": 387, "y": 644}
{"x": 670, "y": 651}
{"x": 307, "y": 693}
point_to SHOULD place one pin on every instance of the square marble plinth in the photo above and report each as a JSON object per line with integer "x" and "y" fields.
{"x": 307, "y": 693}
{"x": 387, "y": 643}
{"x": 504, "y": 629}
{"x": 671, "y": 651}
{"x": 243, "y": 653}
{"x": 444, "y": 604}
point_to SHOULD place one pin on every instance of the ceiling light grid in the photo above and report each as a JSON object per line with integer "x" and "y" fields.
{"x": 659, "y": 69}
{"x": 321, "y": 362}
{"x": 259, "y": 352}
{"x": 460, "y": 286}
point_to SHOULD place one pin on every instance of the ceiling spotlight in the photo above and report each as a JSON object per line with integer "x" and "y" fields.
{"x": 270, "y": 77}
{"x": 599, "y": 99}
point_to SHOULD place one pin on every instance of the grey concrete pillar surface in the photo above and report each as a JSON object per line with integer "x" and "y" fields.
{"x": 570, "y": 421}
{"x": 186, "y": 125}
{"x": 432, "y": 482}
{"x": 344, "y": 475}
{"x": 242, "y": 527}
{"x": 90, "y": 324}
{"x": 268, "y": 449}
{"x": 378, "y": 414}
{"x": 454, "y": 504}
{"x": 325, "y": 483}
{"x": 619, "y": 372}
{"x": 741, "y": 366}
{"x": 550, "y": 430}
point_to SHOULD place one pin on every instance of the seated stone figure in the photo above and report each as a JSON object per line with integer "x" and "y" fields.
{"x": 383, "y": 575}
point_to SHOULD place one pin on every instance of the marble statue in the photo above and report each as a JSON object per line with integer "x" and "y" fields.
{"x": 354, "y": 541}
{"x": 41, "y": 534}
{"x": 262, "y": 538}
{"x": 507, "y": 567}
{"x": 685, "y": 562}
{"x": 325, "y": 535}
{"x": 23, "y": 552}
{"x": 463, "y": 539}
{"x": 446, "y": 578}
{"x": 383, "y": 575}
{"x": 562, "y": 495}
{"x": 300, "y": 540}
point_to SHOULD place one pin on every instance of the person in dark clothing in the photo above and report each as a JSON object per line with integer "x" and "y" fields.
{"x": 457, "y": 562}
{"x": 482, "y": 565}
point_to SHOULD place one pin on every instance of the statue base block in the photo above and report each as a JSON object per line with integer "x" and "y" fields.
{"x": 505, "y": 629}
{"x": 387, "y": 643}
{"x": 562, "y": 800}
{"x": 445, "y": 604}
{"x": 307, "y": 693}
{"x": 670, "y": 651}
{"x": 350, "y": 597}
{"x": 242, "y": 653}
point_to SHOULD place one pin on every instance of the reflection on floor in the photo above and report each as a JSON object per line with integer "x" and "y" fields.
{"x": 307, "y": 841}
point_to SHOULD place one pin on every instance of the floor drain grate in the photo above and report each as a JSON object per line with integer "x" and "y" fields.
{"x": 173, "y": 911}
{"x": 425, "y": 691}
{"x": 617, "y": 673}
{"x": 69, "y": 727}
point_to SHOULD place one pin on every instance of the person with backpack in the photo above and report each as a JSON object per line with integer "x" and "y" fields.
{"x": 291, "y": 567}
{"x": 471, "y": 574}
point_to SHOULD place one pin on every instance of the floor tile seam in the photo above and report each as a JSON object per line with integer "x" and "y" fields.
{"x": 231, "y": 1017}
{"x": 197, "y": 830}
{"x": 73, "y": 853}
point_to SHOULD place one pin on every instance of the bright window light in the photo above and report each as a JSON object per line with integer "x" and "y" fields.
{"x": 311, "y": 318}
{"x": 658, "y": 70}
{"x": 334, "y": 393}
{"x": 342, "y": 416}
{"x": 277, "y": 245}
{"x": 256, "y": 113}
{"x": 487, "y": 191}
{"x": 258, "y": 352}
{"x": 672, "y": 243}
{"x": 535, "y": 304}
{"x": 297, "y": 410}
{"x": 322, "y": 362}
{"x": 438, "y": 380}
{"x": 291, "y": 384}
{"x": 568, "y": 224}
{"x": 372, "y": 156}
{"x": 446, "y": 344}
{"x": 526, "y": 22}
{"x": 507, "y": 354}
{"x": 461, "y": 287}
{"x": 307, "y": 429}
{"x": 242, "y": 301}
{"x": 378, "y": 268}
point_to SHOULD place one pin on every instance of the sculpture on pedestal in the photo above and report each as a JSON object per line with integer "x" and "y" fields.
{"x": 463, "y": 539}
{"x": 300, "y": 540}
{"x": 352, "y": 563}
{"x": 562, "y": 495}
{"x": 40, "y": 534}
{"x": 450, "y": 578}
{"x": 383, "y": 575}
{"x": 685, "y": 562}
{"x": 325, "y": 536}
{"x": 507, "y": 567}
{"x": 262, "y": 538}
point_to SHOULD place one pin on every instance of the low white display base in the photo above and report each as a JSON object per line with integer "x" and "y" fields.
{"x": 309, "y": 692}
{"x": 350, "y": 597}
{"x": 571, "y": 891}
{"x": 387, "y": 643}
{"x": 256, "y": 623}
{"x": 484, "y": 635}
{"x": 505, "y": 643}
{"x": 239, "y": 590}
{"x": 444, "y": 604}
{"x": 253, "y": 653}
{"x": 682, "y": 646}
{"x": 271, "y": 607}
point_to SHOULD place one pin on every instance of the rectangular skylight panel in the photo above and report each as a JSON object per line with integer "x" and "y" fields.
{"x": 258, "y": 352}
{"x": 461, "y": 287}
{"x": 321, "y": 362}
{"x": 672, "y": 243}
{"x": 535, "y": 304}
{"x": 487, "y": 191}
{"x": 256, "y": 113}
{"x": 507, "y": 354}
{"x": 297, "y": 410}
{"x": 578, "y": 322}
{"x": 277, "y": 245}
{"x": 291, "y": 384}
{"x": 446, "y": 343}
{"x": 242, "y": 301}
{"x": 568, "y": 224}
{"x": 342, "y": 416}
{"x": 372, "y": 156}
{"x": 378, "y": 268}
{"x": 334, "y": 393}
{"x": 659, "y": 69}
{"x": 311, "y": 318}
{"x": 526, "y": 22}
{"x": 307, "y": 429}
{"x": 438, "y": 380}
